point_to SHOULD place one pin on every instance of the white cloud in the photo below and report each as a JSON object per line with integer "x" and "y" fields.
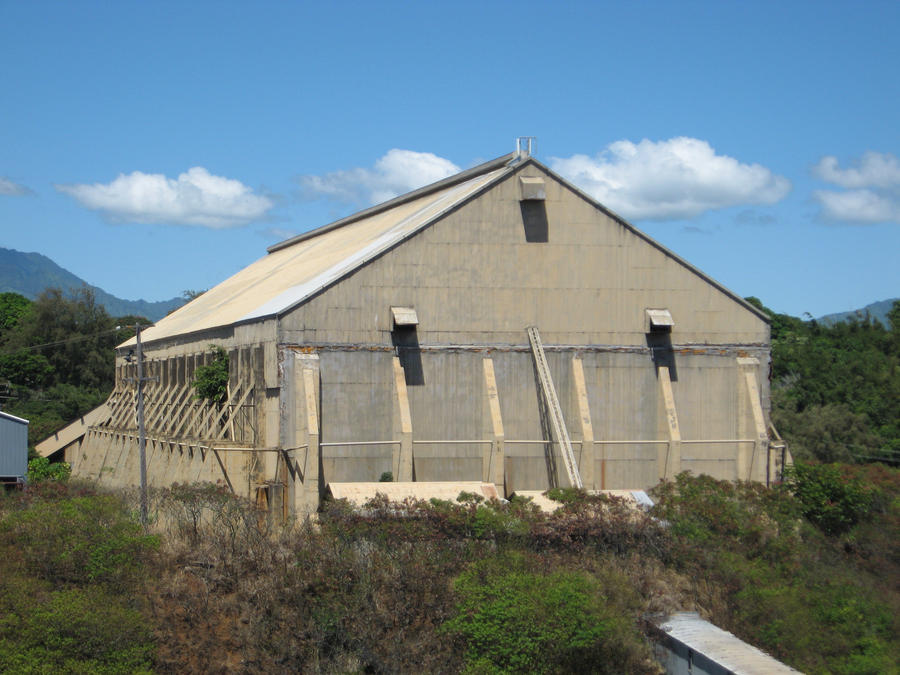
{"x": 858, "y": 206}
{"x": 196, "y": 197}
{"x": 397, "y": 172}
{"x": 874, "y": 169}
{"x": 873, "y": 189}
{"x": 678, "y": 178}
{"x": 11, "y": 189}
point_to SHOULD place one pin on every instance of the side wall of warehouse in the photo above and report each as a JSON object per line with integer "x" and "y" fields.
{"x": 476, "y": 284}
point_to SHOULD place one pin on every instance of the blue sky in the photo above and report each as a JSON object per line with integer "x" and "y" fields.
{"x": 156, "y": 147}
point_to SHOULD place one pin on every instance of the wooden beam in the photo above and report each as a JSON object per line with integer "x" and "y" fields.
{"x": 310, "y": 381}
{"x": 760, "y": 433}
{"x": 219, "y": 413}
{"x": 402, "y": 461}
{"x": 172, "y": 396}
{"x": 494, "y": 458}
{"x": 184, "y": 397}
{"x": 154, "y": 397}
{"x": 669, "y": 457}
{"x": 123, "y": 407}
{"x": 224, "y": 471}
{"x": 586, "y": 464}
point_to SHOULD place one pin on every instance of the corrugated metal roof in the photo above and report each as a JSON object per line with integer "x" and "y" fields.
{"x": 359, "y": 493}
{"x": 720, "y": 646}
{"x": 12, "y": 418}
{"x": 293, "y": 272}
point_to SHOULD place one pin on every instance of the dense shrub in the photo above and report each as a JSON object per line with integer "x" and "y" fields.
{"x": 74, "y": 631}
{"x": 829, "y": 499}
{"x": 71, "y": 583}
{"x": 775, "y": 580}
{"x": 80, "y": 539}
{"x": 41, "y": 469}
{"x": 469, "y": 585}
{"x": 512, "y": 618}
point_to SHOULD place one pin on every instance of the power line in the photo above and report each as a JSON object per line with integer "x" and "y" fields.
{"x": 69, "y": 341}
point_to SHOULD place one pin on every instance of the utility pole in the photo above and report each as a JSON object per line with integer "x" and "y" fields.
{"x": 142, "y": 437}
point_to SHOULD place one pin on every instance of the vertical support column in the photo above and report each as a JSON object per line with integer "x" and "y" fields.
{"x": 586, "y": 465}
{"x": 193, "y": 429}
{"x": 494, "y": 457}
{"x": 745, "y": 462}
{"x": 668, "y": 460}
{"x": 402, "y": 459}
{"x": 309, "y": 373}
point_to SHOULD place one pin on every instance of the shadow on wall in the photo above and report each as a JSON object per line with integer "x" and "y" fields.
{"x": 660, "y": 344}
{"x": 534, "y": 218}
{"x": 406, "y": 342}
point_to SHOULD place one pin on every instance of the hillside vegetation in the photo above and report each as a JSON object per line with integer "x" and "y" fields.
{"x": 807, "y": 571}
{"x": 836, "y": 389}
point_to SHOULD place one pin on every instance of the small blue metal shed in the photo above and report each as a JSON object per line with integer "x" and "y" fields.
{"x": 13, "y": 448}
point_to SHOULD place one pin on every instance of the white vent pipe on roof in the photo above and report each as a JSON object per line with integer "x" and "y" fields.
{"x": 526, "y": 146}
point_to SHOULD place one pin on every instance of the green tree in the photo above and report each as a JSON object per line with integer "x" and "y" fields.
{"x": 58, "y": 356}
{"x": 211, "y": 380}
{"x": 12, "y": 307}
{"x": 77, "y": 332}
{"x": 836, "y": 389}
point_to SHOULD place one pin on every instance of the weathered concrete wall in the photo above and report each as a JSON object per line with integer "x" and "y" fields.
{"x": 474, "y": 279}
{"x": 624, "y": 399}
{"x": 476, "y": 282}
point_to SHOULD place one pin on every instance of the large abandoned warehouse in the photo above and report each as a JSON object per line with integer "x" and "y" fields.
{"x": 497, "y": 327}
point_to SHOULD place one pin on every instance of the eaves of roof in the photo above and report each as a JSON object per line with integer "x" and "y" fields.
{"x": 12, "y": 418}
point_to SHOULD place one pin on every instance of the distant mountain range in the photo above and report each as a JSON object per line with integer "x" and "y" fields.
{"x": 877, "y": 310}
{"x": 31, "y": 273}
